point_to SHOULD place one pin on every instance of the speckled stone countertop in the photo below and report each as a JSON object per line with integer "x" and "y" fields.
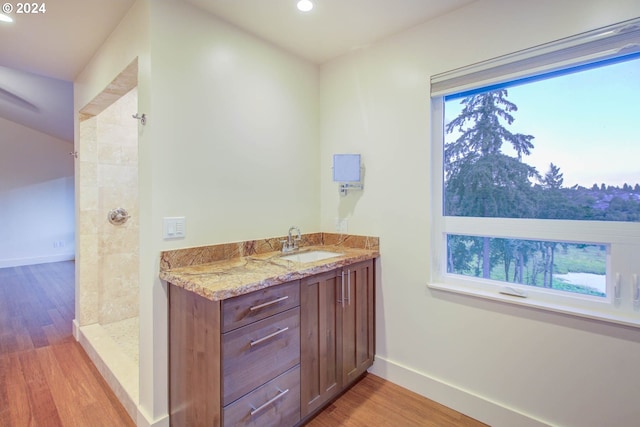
{"x": 223, "y": 271}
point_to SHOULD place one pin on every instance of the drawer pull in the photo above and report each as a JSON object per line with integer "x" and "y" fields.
{"x": 263, "y": 339}
{"x": 341, "y": 300}
{"x": 266, "y": 304}
{"x": 268, "y": 402}
{"x": 349, "y": 287}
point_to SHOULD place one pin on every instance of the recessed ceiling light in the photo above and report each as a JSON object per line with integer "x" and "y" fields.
{"x": 305, "y": 5}
{"x": 5, "y": 18}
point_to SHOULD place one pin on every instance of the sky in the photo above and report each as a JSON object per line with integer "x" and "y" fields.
{"x": 586, "y": 123}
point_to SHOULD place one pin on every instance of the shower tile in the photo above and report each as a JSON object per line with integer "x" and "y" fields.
{"x": 88, "y": 138}
{"x": 125, "y": 334}
{"x": 88, "y": 225}
{"x": 88, "y": 175}
{"x": 117, "y": 367}
{"x": 109, "y": 153}
{"x": 122, "y": 240}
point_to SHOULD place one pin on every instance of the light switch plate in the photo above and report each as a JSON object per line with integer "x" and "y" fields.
{"x": 174, "y": 227}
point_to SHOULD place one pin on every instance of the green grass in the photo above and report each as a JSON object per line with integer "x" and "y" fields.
{"x": 578, "y": 289}
{"x": 570, "y": 258}
{"x": 590, "y": 259}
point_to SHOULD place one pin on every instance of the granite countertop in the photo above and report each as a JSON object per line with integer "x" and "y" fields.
{"x": 223, "y": 271}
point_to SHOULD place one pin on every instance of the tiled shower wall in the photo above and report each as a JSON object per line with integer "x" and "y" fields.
{"x": 108, "y": 267}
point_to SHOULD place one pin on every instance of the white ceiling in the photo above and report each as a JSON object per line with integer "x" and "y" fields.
{"x": 58, "y": 43}
{"x": 333, "y": 27}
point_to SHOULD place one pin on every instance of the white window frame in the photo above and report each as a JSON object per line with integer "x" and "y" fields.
{"x": 622, "y": 239}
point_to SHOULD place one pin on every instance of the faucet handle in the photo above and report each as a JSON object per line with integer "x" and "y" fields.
{"x": 285, "y": 246}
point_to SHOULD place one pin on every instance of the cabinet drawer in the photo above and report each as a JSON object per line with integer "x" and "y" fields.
{"x": 257, "y": 353}
{"x": 244, "y": 309}
{"x": 277, "y": 403}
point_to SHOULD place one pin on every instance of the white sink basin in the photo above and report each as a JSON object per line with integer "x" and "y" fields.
{"x": 310, "y": 256}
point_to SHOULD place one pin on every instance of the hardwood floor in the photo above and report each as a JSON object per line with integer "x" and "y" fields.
{"x": 47, "y": 380}
{"x": 380, "y": 403}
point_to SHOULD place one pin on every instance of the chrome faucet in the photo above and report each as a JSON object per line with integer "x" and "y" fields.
{"x": 291, "y": 244}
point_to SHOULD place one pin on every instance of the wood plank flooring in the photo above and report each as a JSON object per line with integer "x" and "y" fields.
{"x": 47, "y": 380}
{"x": 380, "y": 403}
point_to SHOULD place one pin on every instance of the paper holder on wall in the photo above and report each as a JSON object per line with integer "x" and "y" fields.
{"x": 348, "y": 172}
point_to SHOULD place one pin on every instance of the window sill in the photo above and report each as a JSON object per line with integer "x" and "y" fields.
{"x": 632, "y": 319}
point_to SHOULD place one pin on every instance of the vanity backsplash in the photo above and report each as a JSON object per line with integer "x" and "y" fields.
{"x": 207, "y": 254}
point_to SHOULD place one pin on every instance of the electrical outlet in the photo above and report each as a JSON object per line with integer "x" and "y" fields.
{"x": 342, "y": 225}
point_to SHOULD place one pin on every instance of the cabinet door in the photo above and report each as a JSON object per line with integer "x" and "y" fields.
{"x": 194, "y": 359}
{"x": 320, "y": 340}
{"x": 358, "y": 321}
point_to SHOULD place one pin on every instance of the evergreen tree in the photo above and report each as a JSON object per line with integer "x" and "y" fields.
{"x": 553, "y": 179}
{"x": 486, "y": 135}
{"x": 480, "y": 180}
{"x": 555, "y": 202}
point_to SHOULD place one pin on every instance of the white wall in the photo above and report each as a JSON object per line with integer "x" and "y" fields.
{"x": 36, "y": 197}
{"x": 236, "y": 145}
{"x": 504, "y": 365}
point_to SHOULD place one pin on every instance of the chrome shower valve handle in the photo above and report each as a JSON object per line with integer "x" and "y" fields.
{"x": 118, "y": 216}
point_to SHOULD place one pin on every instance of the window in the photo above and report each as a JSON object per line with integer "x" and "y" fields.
{"x": 536, "y": 176}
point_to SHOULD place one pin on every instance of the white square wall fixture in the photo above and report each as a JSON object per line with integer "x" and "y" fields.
{"x": 173, "y": 227}
{"x": 346, "y": 167}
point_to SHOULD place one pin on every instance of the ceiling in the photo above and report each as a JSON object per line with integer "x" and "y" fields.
{"x": 41, "y": 54}
{"x": 54, "y": 46}
{"x": 333, "y": 27}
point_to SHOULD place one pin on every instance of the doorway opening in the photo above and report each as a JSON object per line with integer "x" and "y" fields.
{"x": 107, "y": 256}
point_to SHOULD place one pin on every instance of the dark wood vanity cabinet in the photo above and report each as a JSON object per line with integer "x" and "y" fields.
{"x": 235, "y": 362}
{"x": 336, "y": 332}
{"x": 270, "y": 357}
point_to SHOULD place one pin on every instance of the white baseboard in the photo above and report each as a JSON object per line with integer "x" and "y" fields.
{"x": 75, "y": 329}
{"x": 145, "y": 421}
{"x": 472, "y": 405}
{"x": 17, "y": 262}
